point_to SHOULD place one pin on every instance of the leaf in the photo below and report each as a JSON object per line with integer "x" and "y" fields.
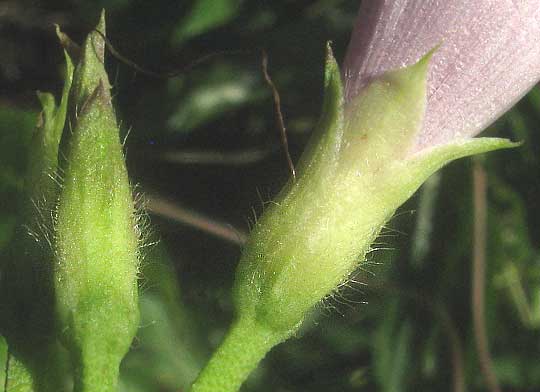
{"x": 518, "y": 275}
{"x": 205, "y": 15}
{"x": 223, "y": 89}
{"x": 392, "y": 350}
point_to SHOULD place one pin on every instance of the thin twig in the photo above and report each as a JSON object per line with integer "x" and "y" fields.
{"x": 279, "y": 114}
{"x": 170, "y": 210}
{"x": 458, "y": 372}
{"x": 164, "y": 74}
{"x": 479, "y": 277}
{"x": 209, "y": 157}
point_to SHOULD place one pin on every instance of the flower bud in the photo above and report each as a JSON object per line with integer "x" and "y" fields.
{"x": 401, "y": 116}
{"x": 36, "y": 360}
{"x": 41, "y": 181}
{"x": 96, "y": 241}
{"x": 486, "y": 60}
{"x": 355, "y": 173}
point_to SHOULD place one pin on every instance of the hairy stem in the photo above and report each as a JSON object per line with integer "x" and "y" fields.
{"x": 245, "y": 345}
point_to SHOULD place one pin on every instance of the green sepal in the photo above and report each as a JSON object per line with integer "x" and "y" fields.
{"x": 96, "y": 235}
{"x": 97, "y": 249}
{"x": 314, "y": 172}
{"x": 382, "y": 122}
{"x": 73, "y": 50}
{"x": 26, "y": 295}
{"x": 356, "y": 172}
{"x": 431, "y": 159}
{"x": 358, "y": 169}
{"x": 311, "y": 230}
{"x": 413, "y": 171}
{"x": 40, "y": 183}
{"x": 325, "y": 143}
{"x": 90, "y": 71}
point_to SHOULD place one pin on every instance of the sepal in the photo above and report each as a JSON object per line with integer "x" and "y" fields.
{"x": 44, "y": 147}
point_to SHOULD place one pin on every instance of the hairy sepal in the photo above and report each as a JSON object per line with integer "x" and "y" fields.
{"x": 96, "y": 239}
{"x": 40, "y": 182}
{"x": 90, "y": 71}
{"x": 27, "y": 316}
{"x": 353, "y": 176}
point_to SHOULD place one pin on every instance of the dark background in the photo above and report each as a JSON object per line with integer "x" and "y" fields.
{"x": 206, "y": 141}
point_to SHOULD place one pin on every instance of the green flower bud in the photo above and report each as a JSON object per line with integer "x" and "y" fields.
{"x": 36, "y": 360}
{"x": 41, "y": 181}
{"x": 96, "y": 240}
{"x": 356, "y": 172}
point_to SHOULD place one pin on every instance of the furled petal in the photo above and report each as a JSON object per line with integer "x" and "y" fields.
{"x": 489, "y": 57}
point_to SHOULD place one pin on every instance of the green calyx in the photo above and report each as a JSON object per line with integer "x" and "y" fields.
{"x": 356, "y": 172}
{"x": 96, "y": 244}
{"x": 383, "y": 120}
{"x": 68, "y": 290}
{"x": 40, "y": 180}
{"x": 36, "y": 360}
{"x": 90, "y": 71}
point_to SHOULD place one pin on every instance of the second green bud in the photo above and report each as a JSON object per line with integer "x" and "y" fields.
{"x": 96, "y": 238}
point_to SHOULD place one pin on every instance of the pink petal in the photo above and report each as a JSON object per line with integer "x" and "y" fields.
{"x": 488, "y": 59}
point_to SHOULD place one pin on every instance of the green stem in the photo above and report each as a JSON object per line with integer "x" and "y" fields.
{"x": 245, "y": 345}
{"x": 96, "y": 371}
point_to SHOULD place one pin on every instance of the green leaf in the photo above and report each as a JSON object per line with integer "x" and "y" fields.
{"x": 392, "y": 350}
{"x": 205, "y": 15}
{"x": 517, "y": 260}
{"x": 216, "y": 93}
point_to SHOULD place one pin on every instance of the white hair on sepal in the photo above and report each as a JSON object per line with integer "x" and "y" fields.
{"x": 345, "y": 295}
{"x": 41, "y": 227}
{"x": 142, "y": 227}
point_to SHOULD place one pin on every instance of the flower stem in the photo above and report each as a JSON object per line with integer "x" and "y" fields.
{"x": 244, "y": 346}
{"x": 96, "y": 372}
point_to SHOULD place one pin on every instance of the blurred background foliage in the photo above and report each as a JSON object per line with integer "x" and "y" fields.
{"x": 204, "y": 147}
